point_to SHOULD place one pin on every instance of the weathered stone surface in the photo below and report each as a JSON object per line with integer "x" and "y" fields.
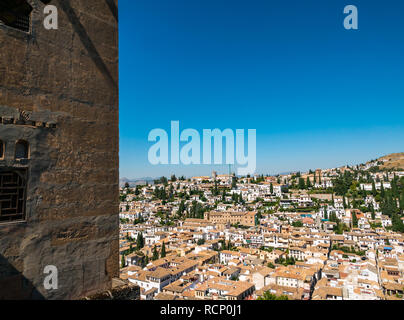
{"x": 67, "y": 78}
{"x": 121, "y": 290}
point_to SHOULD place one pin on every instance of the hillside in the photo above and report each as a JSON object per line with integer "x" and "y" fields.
{"x": 394, "y": 160}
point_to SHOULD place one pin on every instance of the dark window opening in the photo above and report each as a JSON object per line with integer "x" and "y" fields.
{"x": 21, "y": 22}
{"x": 13, "y": 186}
{"x": 21, "y": 150}
{"x": 16, "y": 14}
{"x": 1, "y": 149}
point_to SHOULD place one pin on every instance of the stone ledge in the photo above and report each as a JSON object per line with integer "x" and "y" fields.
{"x": 121, "y": 290}
{"x": 29, "y": 123}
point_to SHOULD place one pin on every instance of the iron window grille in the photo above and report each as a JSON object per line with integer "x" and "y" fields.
{"x": 16, "y": 14}
{"x": 21, "y": 22}
{"x": 13, "y": 189}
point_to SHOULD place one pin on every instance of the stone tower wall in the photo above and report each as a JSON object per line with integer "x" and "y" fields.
{"x": 66, "y": 83}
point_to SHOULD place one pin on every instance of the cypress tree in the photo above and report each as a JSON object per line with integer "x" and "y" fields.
{"x": 301, "y": 184}
{"x": 372, "y": 210}
{"x": 394, "y": 188}
{"x": 146, "y": 260}
{"x": 402, "y": 200}
{"x": 155, "y": 254}
{"x": 397, "y": 223}
{"x": 233, "y": 183}
{"x": 354, "y": 220}
{"x": 354, "y": 203}
{"x": 308, "y": 184}
{"x": 123, "y": 261}
{"x": 163, "y": 250}
{"x": 382, "y": 192}
{"x": 139, "y": 241}
{"x": 216, "y": 191}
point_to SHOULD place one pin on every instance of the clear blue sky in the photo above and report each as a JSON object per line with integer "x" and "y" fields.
{"x": 318, "y": 95}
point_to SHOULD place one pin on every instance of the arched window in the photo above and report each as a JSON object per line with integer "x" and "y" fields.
{"x": 21, "y": 150}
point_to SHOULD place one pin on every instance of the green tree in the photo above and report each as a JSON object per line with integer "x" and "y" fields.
{"x": 229, "y": 245}
{"x": 397, "y": 223}
{"x": 388, "y": 204}
{"x": 402, "y": 200}
{"x": 374, "y": 191}
{"x": 181, "y": 208}
{"x": 146, "y": 260}
{"x": 155, "y": 254}
{"x": 233, "y": 182}
{"x": 139, "y": 241}
{"x": 342, "y": 183}
{"x": 394, "y": 187}
{"x": 215, "y": 190}
{"x": 271, "y": 188}
{"x": 269, "y": 296}
{"x": 123, "y": 263}
{"x": 297, "y": 224}
{"x": 308, "y": 183}
{"x": 354, "y": 220}
{"x": 163, "y": 250}
{"x": 372, "y": 211}
{"x": 354, "y": 204}
{"x": 382, "y": 192}
{"x": 325, "y": 212}
{"x": 301, "y": 184}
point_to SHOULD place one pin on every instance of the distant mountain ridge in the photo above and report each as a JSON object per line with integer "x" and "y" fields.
{"x": 391, "y": 161}
{"x": 135, "y": 182}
